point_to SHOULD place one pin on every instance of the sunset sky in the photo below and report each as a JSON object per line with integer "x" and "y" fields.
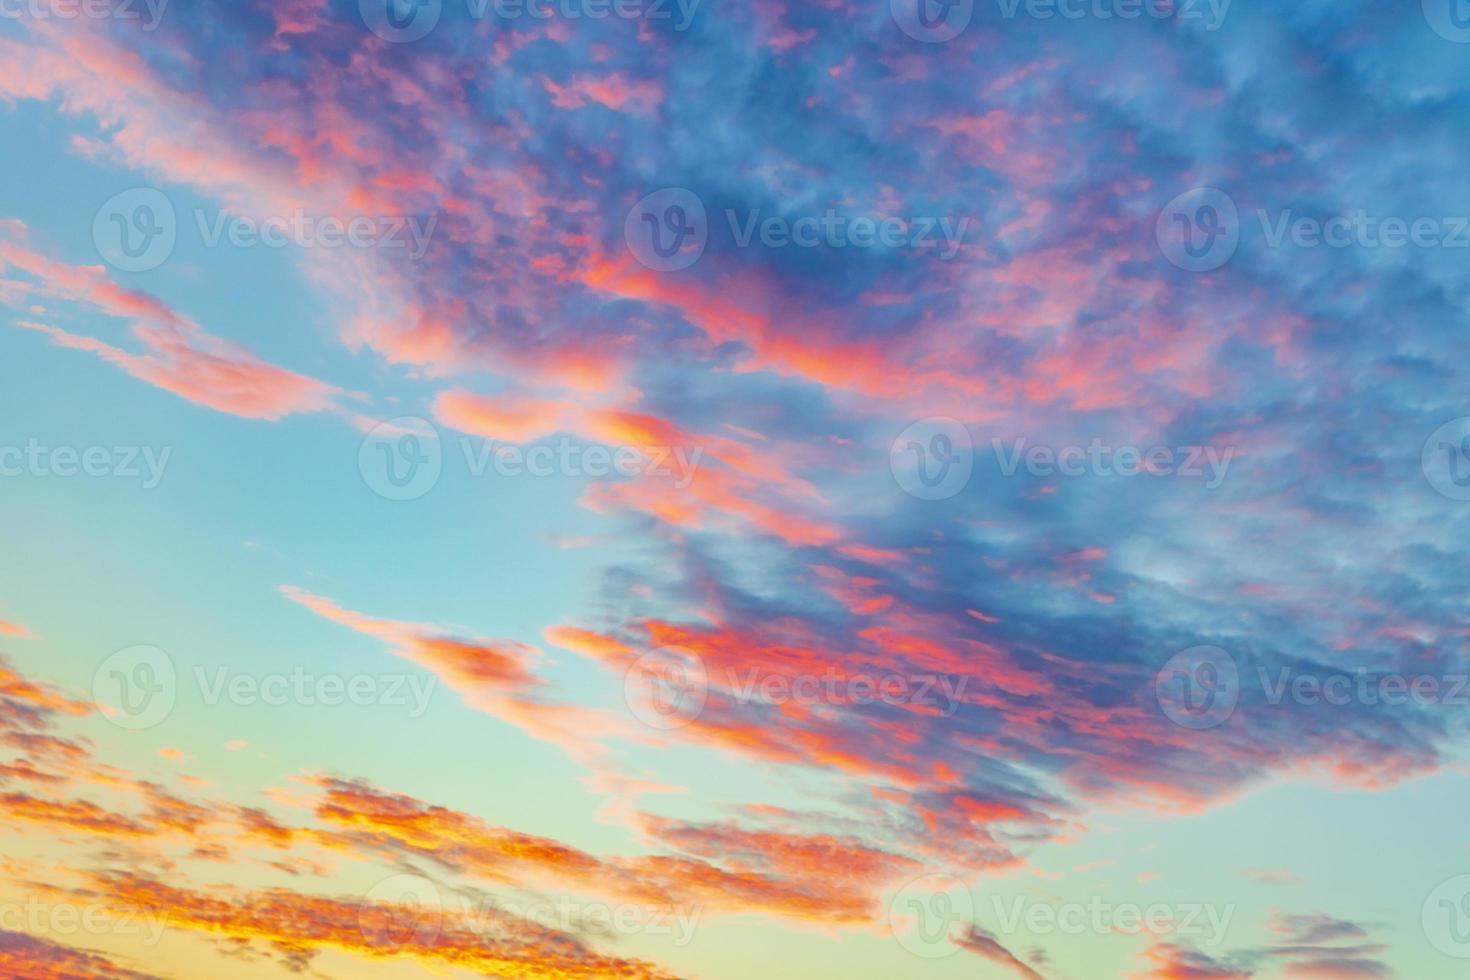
{"x": 734, "y": 489}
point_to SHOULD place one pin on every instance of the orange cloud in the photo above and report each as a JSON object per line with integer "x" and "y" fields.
{"x": 180, "y": 357}
{"x": 32, "y": 958}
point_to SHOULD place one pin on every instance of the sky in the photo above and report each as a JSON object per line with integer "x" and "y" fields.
{"x": 712, "y": 489}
